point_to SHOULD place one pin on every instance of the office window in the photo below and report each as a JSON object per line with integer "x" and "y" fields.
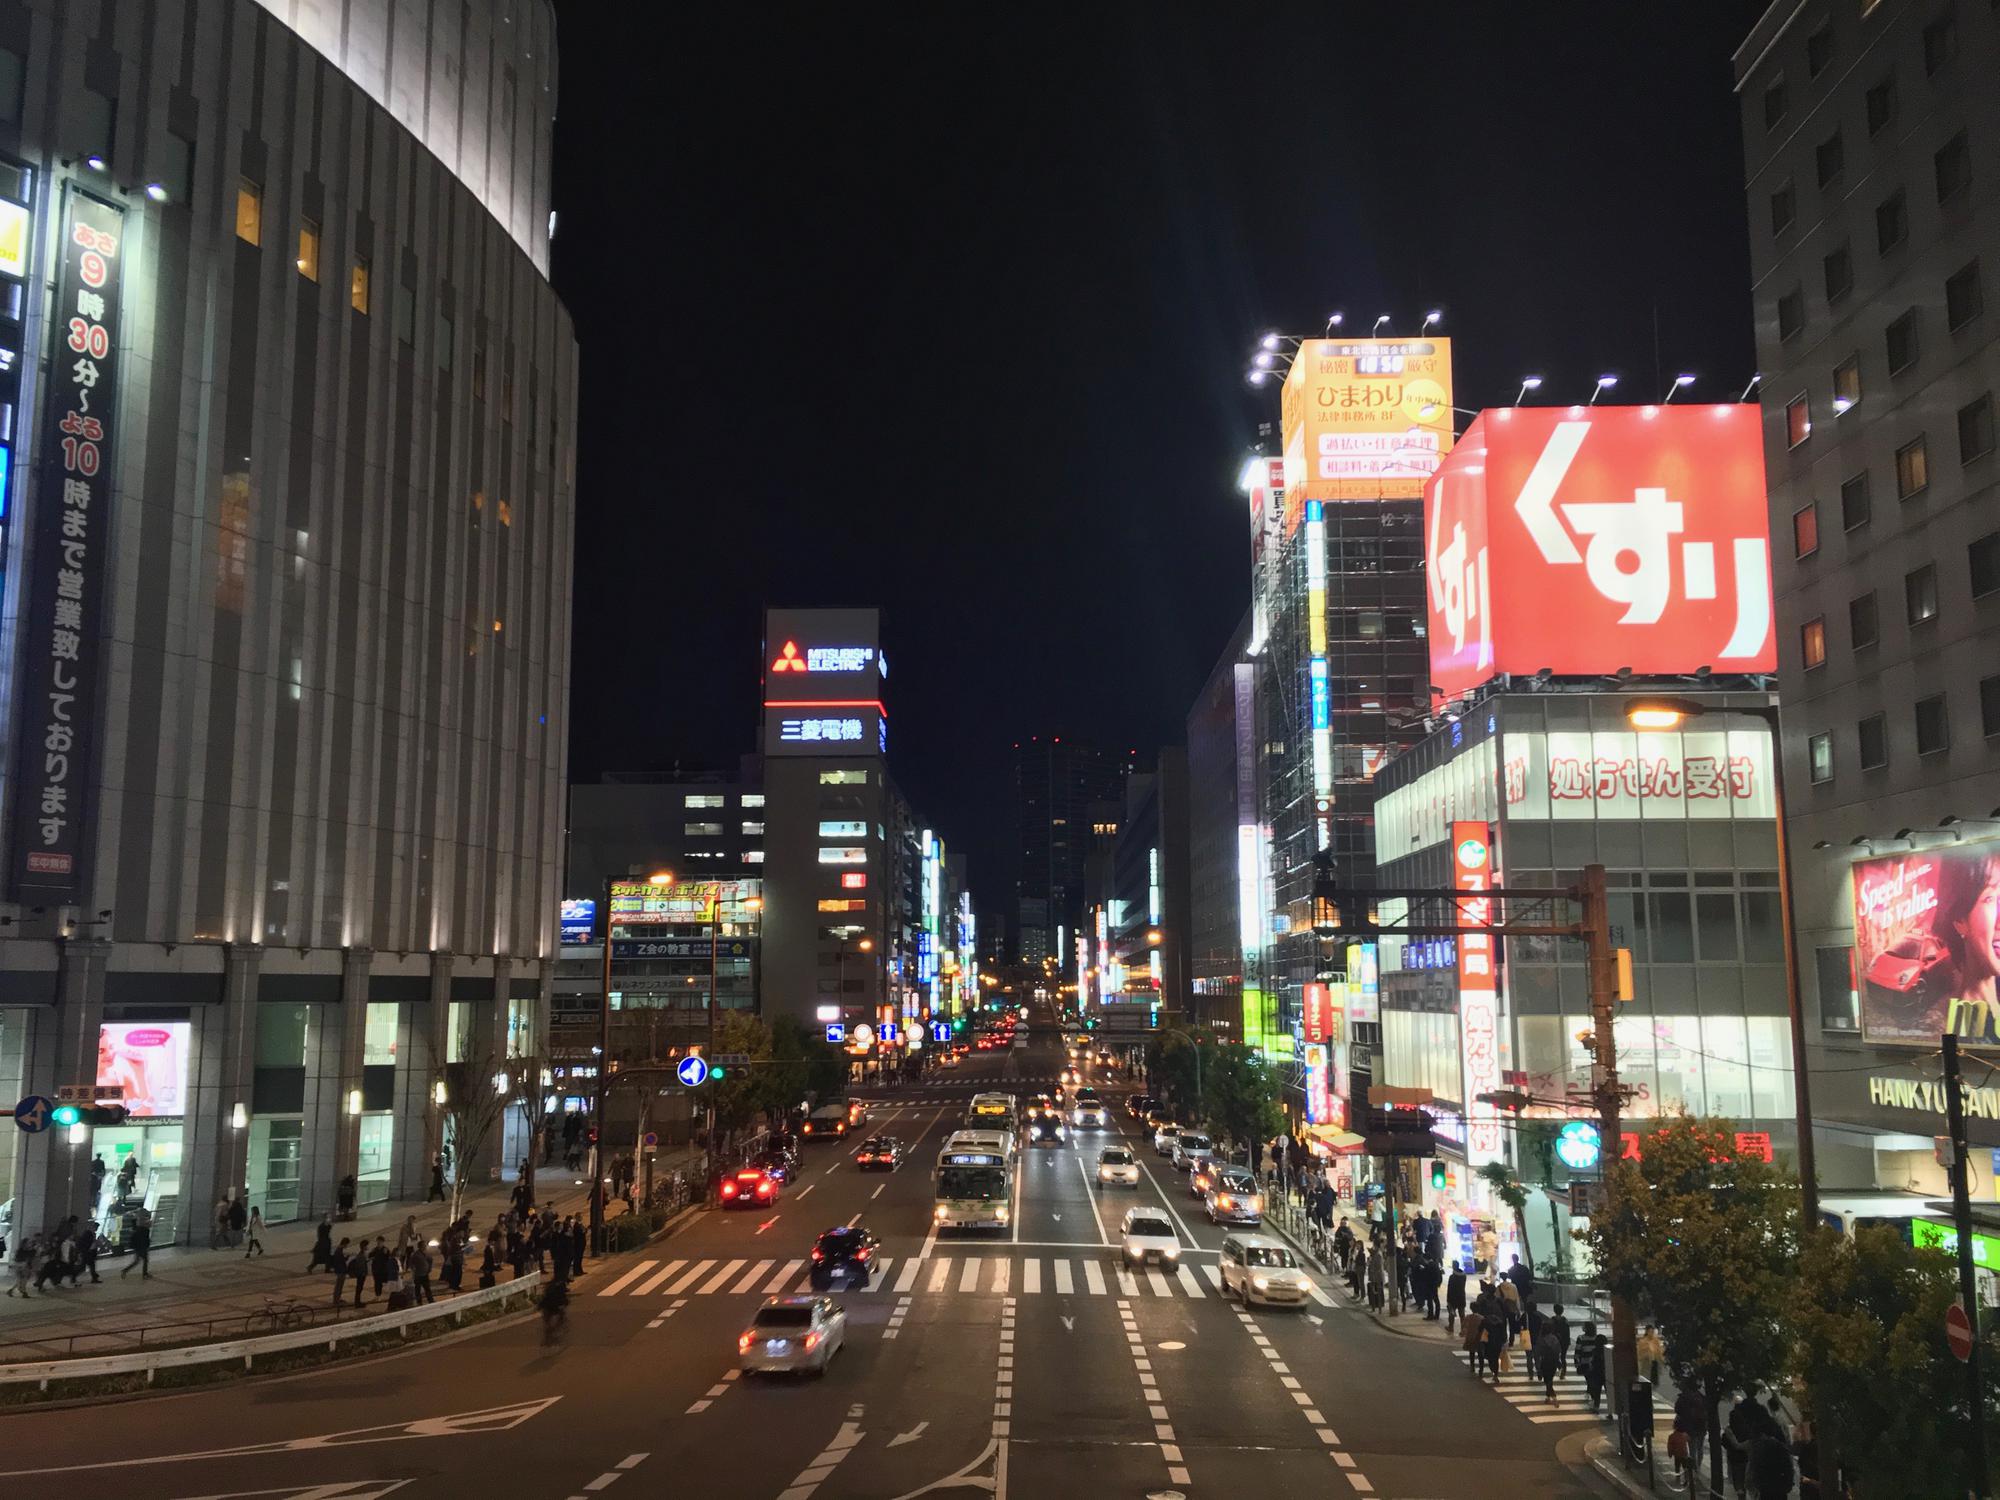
{"x": 1798, "y": 421}
{"x": 1846, "y": 383}
{"x": 1933, "y": 725}
{"x": 1812, "y": 642}
{"x": 1892, "y": 222}
{"x": 702, "y": 830}
{"x": 1951, "y": 167}
{"x": 753, "y": 799}
{"x": 1864, "y": 625}
{"x": 1975, "y": 429}
{"x": 309, "y": 249}
{"x": 1920, "y": 603}
{"x": 843, "y": 778}
{"x": 1829, "y": 158}
{"x": 1819, "y": 758}
{"x": 1989, "y": 706}
{"x": 357, "y": 285}
{"x": 1839, "y": 996}
{"x": 1881, "y": 105}
{"x": 1784, "y": 207}
{"x": 753, "y": 828}
{"x": 249, "y": 211}
{"x": 406, "y": 313}
{"x": 1775, "y": 102}
{"x": 1839, "y": 273}
{"x": 1854, "y": 507}
{"x": 1791, "y": 313}
{"x": 1805, "y": 530}
{"x": 1900, "y": 340}
{"x": 1913, "y": 470}
{"x": 1940, "y": 42}
{"x": 1872, "y": 736}
{"x": 1819, "y": 51}
{"x": 1963, "y": 299}
{"x": 704, "y": 799}
{"x": 1983, "y": 561}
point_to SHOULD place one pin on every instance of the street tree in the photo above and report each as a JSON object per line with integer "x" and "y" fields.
{"x": 527, "y": 1094}
{"x": 1508, "y": 1189}
{"x": 475, "y": 1094}
{"x": 738, "y": 1097}
{"x": 1175, "y": 1069}
{"x": 1704, "y": 1242}
{"x": 1870, "y": 1348}
{"x": 803, "y": 1063}
{"x": 1240, "y": 1094}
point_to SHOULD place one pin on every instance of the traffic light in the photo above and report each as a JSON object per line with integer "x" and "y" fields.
{"x": 1437, "y": 1175}
{"x": 67, "y": 1115}
{"x": 718, "y": 1072}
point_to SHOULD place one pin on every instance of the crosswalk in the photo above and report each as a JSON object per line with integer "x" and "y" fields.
{"x": 1572, "y": 1402}
{"x": 941, "y": 1275}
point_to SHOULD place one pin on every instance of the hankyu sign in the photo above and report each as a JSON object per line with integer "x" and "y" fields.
{"x": 1478, "y": 992}
{"x": 1365, "y": 419}
{"x": 1589, "y": 539}
{"x": 1926, "y": 962}
{"x": 65, "y": 568}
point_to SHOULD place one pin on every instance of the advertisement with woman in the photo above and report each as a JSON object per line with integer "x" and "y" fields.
{"x": 147, "y": 1061}
{"x": 1927, "y": 945}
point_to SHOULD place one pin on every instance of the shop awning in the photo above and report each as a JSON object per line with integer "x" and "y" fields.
{"x": 1340, "y": 1141}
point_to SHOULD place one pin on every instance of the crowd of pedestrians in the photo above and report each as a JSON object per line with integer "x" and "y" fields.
{"x": 401, "y": 1270}
{"x": 61, "y": 1257}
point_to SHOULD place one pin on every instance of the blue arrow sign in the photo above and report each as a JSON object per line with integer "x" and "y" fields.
{"x": 32, "y": 1113}
{"x": 692, "y": 1071}
{"x": 836, "y": 1032}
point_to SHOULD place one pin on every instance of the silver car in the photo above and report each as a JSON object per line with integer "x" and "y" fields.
{"x": 1117, "y": 1167}
{"x": 1163, "y": 1139}
{"x": 1234, "y": 1198}
{"x": 791, "y": 1334}
{"x": 1258, "y": 1269}
{"x": 1191, "y": 1147}
{"x": 1146, "y": 1236}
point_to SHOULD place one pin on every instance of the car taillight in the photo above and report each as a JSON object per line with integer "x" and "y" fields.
{"x": 744, "y": 1341}
{"x": 729, "y": 1190}
{"x": 818, "y": 1254}
{"x": 863, "y": 1254}
{"x": 763, "y": 1188}
{"x": 812, "y": 1340}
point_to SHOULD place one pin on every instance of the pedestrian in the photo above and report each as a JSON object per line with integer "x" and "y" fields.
{"x": 1523, "y": 1279}
{"x": 489, "y": 1265}
{"x": 381, "y": 1264}
{"x": 239, "y": 1220}
{"x": 1651, "y": 1349}
{"x": 1690, "y": 1434}
{"x": 1494, "y": 1326}
{"x": 86, "y": 1250}
{"x": 344, "y": 1197}
{"x": 128, "y": 1175}
{"x": 454, "y": 1257}
{"x": 399, "y": 1295}
{"x": 322, "y": 1252}
{"x": 1590, "y": 1362}
{"x": 1343, "y": 1244}
{"x": 408, "y": 1235}
{"x": 23, "y": 1264}
{"x": 1454, "y": 1298}
{"x": 337, "y": 1262}
{"x": 1472, "y": 1336}
{"x": 256, "y": 1233}
{"x": 1548, "y": 1359}
{"x": 437, "y": 1179}
{"x": 218, "y": 1230}
{"x": 1559, "y": 1320}
{"x": 1375, "y": 1279}
{"x": 142, "y": 1245}
{"x": 1770, "y": 1464}
{"x": 1510, "y": 1302}
{"x": 1739, "y": 1432}
{"x": 97, "y": 1170}
{"x": 576, "y": 1240}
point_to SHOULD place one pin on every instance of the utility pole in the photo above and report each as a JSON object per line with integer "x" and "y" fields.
{"x": 1603, "y": 961}
{"x": 1961, "y": 1215}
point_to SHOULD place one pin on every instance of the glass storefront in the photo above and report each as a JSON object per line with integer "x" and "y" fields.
{"x": 276, "y": 1146}
{"x": 142, "y": 1167}
{"x": 378, "y": 1136}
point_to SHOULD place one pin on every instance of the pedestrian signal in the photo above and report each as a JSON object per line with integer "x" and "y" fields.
{"x": 1437, "y": 1175}
{"x": 89, "y": 1114}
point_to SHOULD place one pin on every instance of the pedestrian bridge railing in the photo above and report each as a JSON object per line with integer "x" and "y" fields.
{"x": 191, "y": 1348}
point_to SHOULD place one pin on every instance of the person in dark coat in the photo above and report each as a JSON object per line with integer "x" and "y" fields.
{"x": 1590, "y": 1360}
{"x": 142, "y": 1246}
{"x": 322, "y": 1251}
{"x": 1548, "y": 1358}
{"x": 577, "y": 1239}
{"x": 1454, "y": 1297}
{"x": 337, "y": 1262}
{"x": 437, "y": 1179}
{"x": 1770, "y": 1464}
{"x": 1495, "y": 1325}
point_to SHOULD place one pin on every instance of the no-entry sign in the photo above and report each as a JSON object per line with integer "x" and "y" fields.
{"x": 1958, "y": 1331}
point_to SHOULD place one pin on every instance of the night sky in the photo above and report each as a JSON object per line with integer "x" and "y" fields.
{"x": 947, "y": 311}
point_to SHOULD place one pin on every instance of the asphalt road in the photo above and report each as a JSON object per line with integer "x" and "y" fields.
{"x": 1022, "y": 1365}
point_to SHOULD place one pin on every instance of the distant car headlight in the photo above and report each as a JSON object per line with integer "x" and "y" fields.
{"x": 1261, "y": 1283}
{"x": 940, "y": 1213}
{"x": 1257, "y": 1204}
{"x": 1172, "y": 1252}
{"x": 1003, "y": 1213}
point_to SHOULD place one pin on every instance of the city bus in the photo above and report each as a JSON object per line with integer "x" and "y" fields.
{"x": 974, "y": 1183}
{"x": 993, "y": 1112}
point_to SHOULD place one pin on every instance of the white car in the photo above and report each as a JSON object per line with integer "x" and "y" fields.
{"x": 1190, "y": 1148}
{"x": 1259, "y": 1269}
{"x": 1163, "y": 1139}
{"x": 793, "y": 1334}
{"x": 1089, "y": 1115}
{"x": 1117, "y": 1167}
{"x": 1147, "y": 1236}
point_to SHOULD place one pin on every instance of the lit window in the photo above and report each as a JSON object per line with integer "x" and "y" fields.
{"x": 506, "y": 513}
{"x": 753, "y": 799}
{"x": 845, "y": 855}
{"x": 835, "y": 904}
{"x": 1798, "y": 421}
{"x": 1805, "y": 531}
{"x": 843, "y": 778}
{"x": 357, "y": 285}
{"x": 1920, "y": 599}
{"x": 753, "y": 856}
{"x": 249, "y": 212}
{"x": 1846, "y": 383}
{"x": 1812, "y": 643}
{"x": 1913, "y": 470}
{"x": 1819, "y": 756}
{"x": 702, "y": 830}
{"x": 703, "y": 799}
{"x": 309, "y": 249}
{"x": 854, "y": 880}
{"x": 752, "y": 828}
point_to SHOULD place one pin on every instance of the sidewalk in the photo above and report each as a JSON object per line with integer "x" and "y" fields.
{"x": 193, "y": 1285}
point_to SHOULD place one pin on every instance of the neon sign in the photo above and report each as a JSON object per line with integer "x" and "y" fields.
{"x": 824, "y": 658}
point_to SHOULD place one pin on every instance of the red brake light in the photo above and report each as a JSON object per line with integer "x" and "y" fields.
{"x": 763, "y": 1189}
{"x": 818, "y": 1254}
{"x": 744, "y": 1341}
{"x": 863, "y": 1254}
{"x": 812, "y": 1339}
{"x": 729, "y": 1190}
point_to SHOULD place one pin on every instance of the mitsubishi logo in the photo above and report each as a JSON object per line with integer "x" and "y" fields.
{"x": 789, "y": 659}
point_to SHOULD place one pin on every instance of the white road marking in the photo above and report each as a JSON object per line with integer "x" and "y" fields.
{"x": 721, "y": 1276}
{"x": 750, "y": 1277}
{"x": 1031, "y": 1277}
{"x": 647, "y": 1287}
{"x": 940, "y": 1269}
{"x": 701, "y": 1268}
{"x": 628, "y": 1278}
{"x": 783, "y": 1277}
{"x": 908, "y": 1275}
{"x": 878, "y": 1191}
{"x": 1093, "y": 1277}
{"x": 806, "y": 1189}
{"x": 969, "y": 1280}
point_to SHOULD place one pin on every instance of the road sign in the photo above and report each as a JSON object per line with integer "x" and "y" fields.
{"x": 1579, "y": 1145}
{"x": 692, "y": 1071}
{"x": 1958, "y": 1332}
{"x": 88, "y": 1093}
{"x": 650, "y": 1139}
{"x": 32, "y": 1113}
{"x": 835, "y": 1032}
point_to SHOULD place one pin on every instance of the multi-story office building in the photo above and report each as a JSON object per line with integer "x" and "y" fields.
{"x": 1056, "y": 781}
{"x": 288, "y": 428}
{"x": 1872, "y": 133}
{"x": 1221, "y": 784}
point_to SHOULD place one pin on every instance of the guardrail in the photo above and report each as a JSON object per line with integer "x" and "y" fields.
{"x": 151, "y": 1361}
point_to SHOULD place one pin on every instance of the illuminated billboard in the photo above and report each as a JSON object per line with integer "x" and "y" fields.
{"x": 1588, "y": 539}
{"x": 1925, "y": 929}
{"x": 146, "y": 1064}
{"x": 1478, "y": 990}
{"x": 578, "y": 920}
{"x": 1364, "y": 419}
{"x": 823, "y": 674}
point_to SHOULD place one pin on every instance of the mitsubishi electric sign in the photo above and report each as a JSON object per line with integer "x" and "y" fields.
{"x": 1588, "y": 539}
{"x": 823, "y": 674}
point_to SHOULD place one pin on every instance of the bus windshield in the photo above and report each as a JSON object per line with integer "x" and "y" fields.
{"x": 972, "y": 1182}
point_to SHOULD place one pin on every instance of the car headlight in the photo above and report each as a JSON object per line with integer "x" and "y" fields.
{"x": 1222, "y": 1200}
{"x": 1172, "y": 1252}
{"x": 1261, "y": 1283}
{"x": 1003, "y": 1213}
{"x": 1257, "y": 1204}
{"x": 940, "y": 1211}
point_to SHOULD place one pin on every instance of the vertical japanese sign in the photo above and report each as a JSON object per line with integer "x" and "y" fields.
{"x": 65, "y": 572}
{"x": 1478, "y": 994}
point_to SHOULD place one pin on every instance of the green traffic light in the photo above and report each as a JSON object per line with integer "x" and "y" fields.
{"x": 66, "y": 1114}
{"x": 1437, "y": 1174}
{"x": 718, "y": 1072}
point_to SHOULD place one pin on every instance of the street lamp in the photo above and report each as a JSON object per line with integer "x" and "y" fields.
{"x": 1670, "y": 713}
{"x": 1604, "y": 383}
{"x": 1528, "y": 383}
{"x": 657, "y": 878}
{"x": 1675, "y": 389}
